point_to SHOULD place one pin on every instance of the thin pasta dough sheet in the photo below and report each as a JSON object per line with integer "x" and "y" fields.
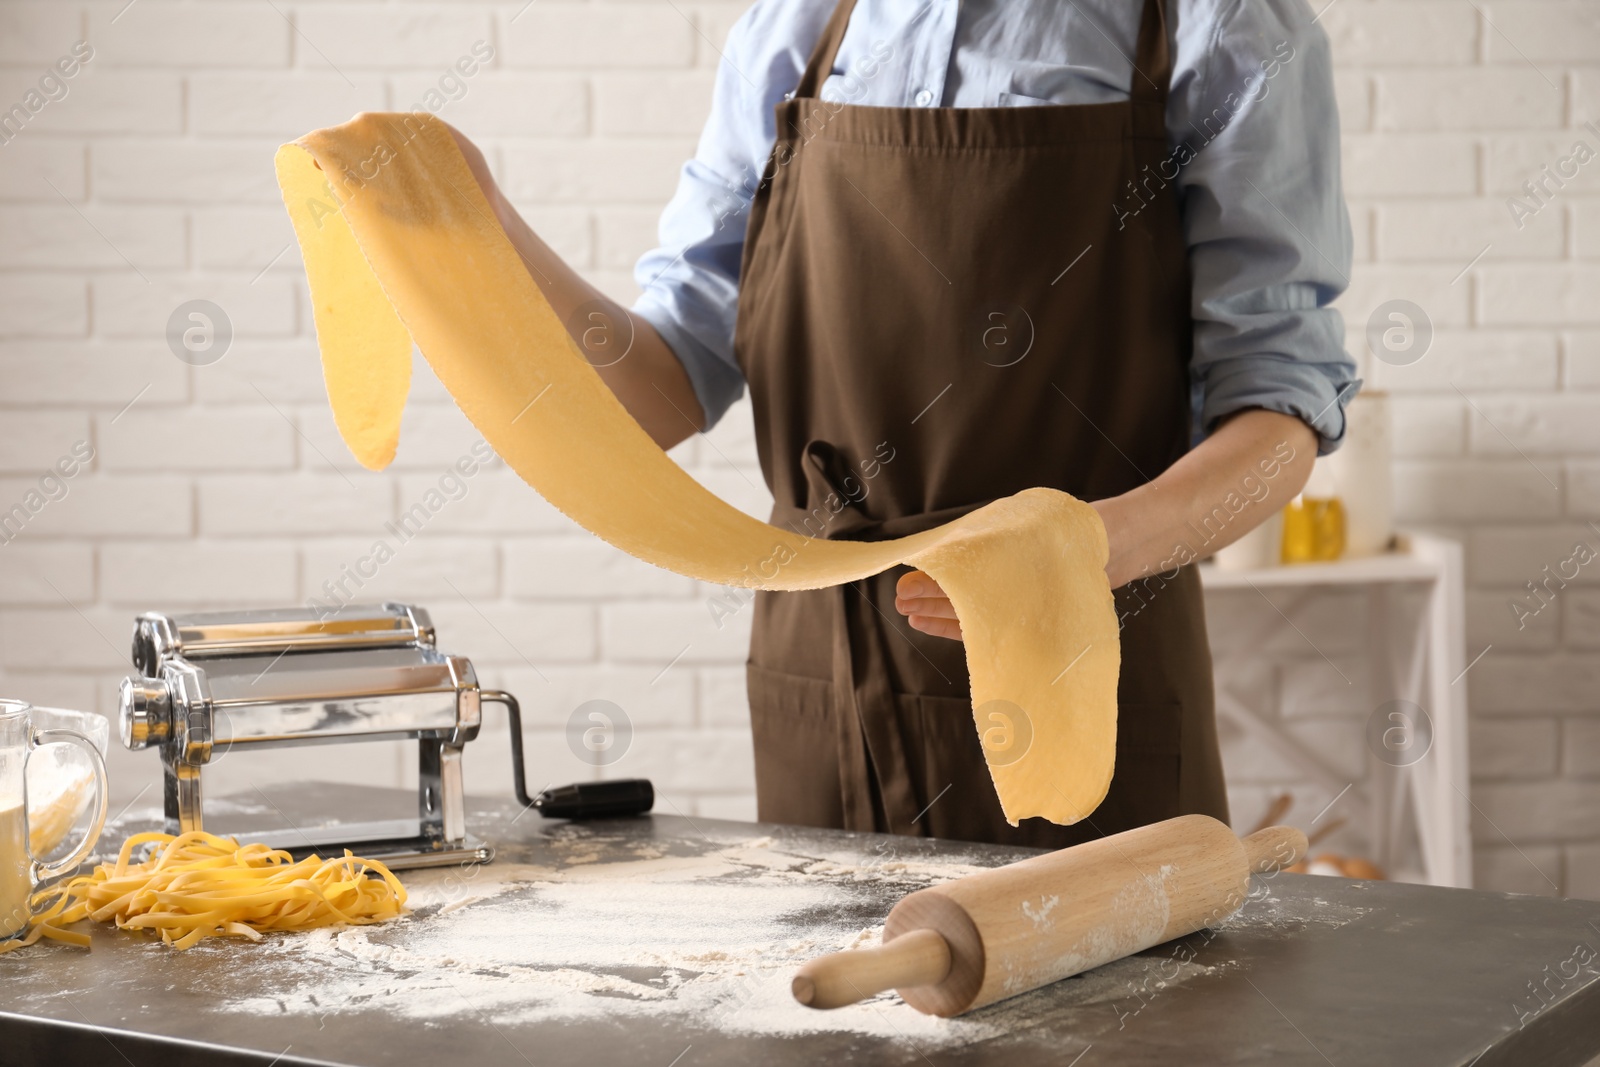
{"x": 400, "y": 246}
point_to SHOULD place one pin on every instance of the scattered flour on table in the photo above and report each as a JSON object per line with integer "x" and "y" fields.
{"x": 711, "y": 940}
{"x": 1266, "y": 911}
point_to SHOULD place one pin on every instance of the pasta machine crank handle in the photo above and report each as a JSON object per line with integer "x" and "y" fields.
{"x": 584, "y": 800}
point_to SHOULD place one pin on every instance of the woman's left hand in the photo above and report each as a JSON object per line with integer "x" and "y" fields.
{"x": 1260, "y": 457}
{"x": 925, "y": 605}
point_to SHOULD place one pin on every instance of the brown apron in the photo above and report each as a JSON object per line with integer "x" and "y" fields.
{"x": 939, "y": 307}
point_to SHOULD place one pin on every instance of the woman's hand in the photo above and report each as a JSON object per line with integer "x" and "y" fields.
{"x": 480, "y": 170}
{"x": 1251, "y": 465}
{"x": 925, "y": 606}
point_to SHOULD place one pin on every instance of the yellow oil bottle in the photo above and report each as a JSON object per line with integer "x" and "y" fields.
{"x": 1313, "y": 529}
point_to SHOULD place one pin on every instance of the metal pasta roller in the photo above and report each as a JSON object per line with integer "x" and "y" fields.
{"x": 256, "y": 679}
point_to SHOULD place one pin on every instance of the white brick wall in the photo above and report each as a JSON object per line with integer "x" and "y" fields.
{"x": 1534, "y": 695}
{"x": 150, "y": 184}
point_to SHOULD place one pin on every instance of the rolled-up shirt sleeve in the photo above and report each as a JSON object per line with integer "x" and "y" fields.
{"x": 690, "y": 281}
{"x": 1265, "y": 220}
{"x": 690, "y": 290}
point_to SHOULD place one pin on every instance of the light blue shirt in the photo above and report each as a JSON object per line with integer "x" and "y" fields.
{"x": 1251, "y": 116}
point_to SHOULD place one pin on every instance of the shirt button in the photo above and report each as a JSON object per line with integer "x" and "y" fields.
{"x": 924, "y": 98}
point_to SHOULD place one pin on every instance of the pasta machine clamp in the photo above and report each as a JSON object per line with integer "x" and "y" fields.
{"x": 208, "y": 683}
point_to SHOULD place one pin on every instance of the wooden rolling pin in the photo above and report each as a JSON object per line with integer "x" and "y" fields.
{"x": 958, "y": 946}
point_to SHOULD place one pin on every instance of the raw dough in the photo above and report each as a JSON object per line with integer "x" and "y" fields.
{"x": 401, "y": 246}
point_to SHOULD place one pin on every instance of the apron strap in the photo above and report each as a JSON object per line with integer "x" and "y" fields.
{"x": 828, "y": 472}
{"x": 871, "y": 737}
{"x": 827, "y": 49}
{"x": 1152, "y": 71}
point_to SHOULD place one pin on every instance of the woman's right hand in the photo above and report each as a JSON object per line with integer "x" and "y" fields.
{"x": 480, "y": 170}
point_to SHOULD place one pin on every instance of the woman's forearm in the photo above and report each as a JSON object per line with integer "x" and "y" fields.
{"x": 629, "y": 354}
{"x": 1229, "y": 484}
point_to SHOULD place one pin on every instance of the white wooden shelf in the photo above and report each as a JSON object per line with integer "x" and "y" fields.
{"x": 1425, "y": 666}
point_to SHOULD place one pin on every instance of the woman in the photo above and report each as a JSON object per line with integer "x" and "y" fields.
{"x": 959, "y": 249}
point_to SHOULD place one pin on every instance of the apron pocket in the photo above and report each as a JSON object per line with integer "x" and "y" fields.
{"x": 1144, "y": 788}
{"x": 796, "y": 748}
{"x": 952, "y": 756}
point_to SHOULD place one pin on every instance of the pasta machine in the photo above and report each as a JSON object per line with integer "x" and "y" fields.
{"x": 210, "y": 682}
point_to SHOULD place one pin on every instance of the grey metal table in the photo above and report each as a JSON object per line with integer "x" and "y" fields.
{"x": 669, "y": 941}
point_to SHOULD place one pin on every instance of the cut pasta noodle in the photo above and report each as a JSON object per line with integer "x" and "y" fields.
{"x": 198, "y": 885}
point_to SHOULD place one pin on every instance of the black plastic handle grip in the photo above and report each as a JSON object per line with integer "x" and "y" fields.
{"x": 597, "y": 800}
{"x": 584, "y": 800}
